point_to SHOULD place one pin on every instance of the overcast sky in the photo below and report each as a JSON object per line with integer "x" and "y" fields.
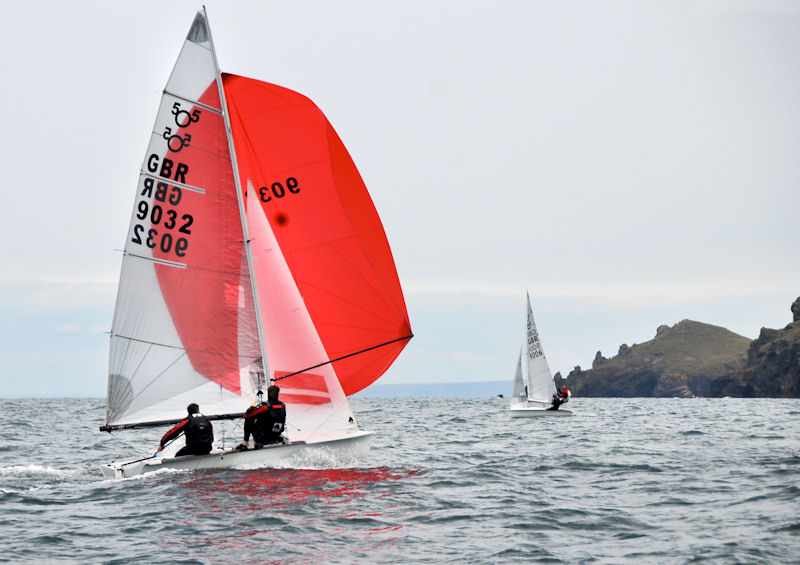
{"x": 631, "y": 163}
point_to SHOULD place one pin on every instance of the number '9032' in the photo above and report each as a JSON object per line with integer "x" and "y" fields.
{"x": 166, "y": 220}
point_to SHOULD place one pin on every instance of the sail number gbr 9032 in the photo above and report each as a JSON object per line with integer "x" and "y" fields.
{"x": 168, "y": 229}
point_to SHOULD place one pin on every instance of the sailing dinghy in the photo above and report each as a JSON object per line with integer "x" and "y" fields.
{"x": 254, "y": 256}
{"x": 537, "y": 398}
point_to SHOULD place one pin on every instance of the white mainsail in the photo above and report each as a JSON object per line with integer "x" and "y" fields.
{"x": 184, "y": 327}
{"x": 540, "y": 380}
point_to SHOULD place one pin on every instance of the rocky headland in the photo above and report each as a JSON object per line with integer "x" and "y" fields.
{"x": 772, "y": 368}
{"x": 696, "y": 359}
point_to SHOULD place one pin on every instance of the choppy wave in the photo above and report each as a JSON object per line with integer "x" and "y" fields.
{"x": 36, "y": 471}
{"x": 621, "y": 481}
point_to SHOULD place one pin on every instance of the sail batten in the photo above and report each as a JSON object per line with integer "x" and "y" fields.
{"x": 197, "y": 103}
{"x": 159, "y": 261}
{"x": 174, "y": 183}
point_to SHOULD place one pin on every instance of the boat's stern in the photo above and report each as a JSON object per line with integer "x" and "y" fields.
{"x": 111, "y": 471}
{"x": 122, "y": 470}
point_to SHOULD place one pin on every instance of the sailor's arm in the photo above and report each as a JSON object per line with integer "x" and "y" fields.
{"x": 173, "y": 433}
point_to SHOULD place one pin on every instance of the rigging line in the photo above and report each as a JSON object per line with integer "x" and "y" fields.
{"x": 149, "y": 456}
{"x": 343, "y": 357}
{"x": 158, "y": 376}
{"x": 141, "y": 361}
{"x": 125, "y": 443}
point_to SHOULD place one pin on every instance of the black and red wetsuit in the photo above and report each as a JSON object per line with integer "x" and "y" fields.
{"x": 560, "y": 398}
{"x": 265, "y": 422}
{"x": 199, "y": 435}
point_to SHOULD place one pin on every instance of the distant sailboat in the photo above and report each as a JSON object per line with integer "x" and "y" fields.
{"x": 254, "y": 256}
{"x": 537, "y": 398}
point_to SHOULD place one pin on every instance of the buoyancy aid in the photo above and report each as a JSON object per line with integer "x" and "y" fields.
{"x": 270, "y": 419}
{"x": 198, "y": 430}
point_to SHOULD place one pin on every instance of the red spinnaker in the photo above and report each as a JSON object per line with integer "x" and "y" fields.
{"x": 326, "y": 226}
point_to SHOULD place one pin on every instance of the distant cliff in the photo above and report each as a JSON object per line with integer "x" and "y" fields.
{"x": 682, "y": 360}
{"x": 773, "y": 365}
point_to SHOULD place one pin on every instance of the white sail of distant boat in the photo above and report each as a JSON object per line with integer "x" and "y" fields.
{"x": 254, "y": 256}
{"x": 537, "y": 398}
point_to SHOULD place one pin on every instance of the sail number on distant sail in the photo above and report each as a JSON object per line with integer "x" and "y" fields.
{"x": 534, "y": 346}
{"x": 168, "y": 228}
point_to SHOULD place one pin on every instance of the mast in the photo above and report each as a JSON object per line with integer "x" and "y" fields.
{"x": 240, "y": 201}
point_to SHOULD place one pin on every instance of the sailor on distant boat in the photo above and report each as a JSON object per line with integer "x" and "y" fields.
{"x": 196, "y": 428}
{"x": 264, "y": 421}
{"x": 560, "y": 398}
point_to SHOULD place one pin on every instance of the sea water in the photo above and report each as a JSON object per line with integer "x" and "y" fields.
{"x": 447, "y": 480}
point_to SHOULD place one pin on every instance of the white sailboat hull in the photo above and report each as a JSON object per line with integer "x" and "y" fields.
{"x": 346, "y": 449}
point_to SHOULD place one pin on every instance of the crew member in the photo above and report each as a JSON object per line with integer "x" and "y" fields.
{"x": 561, "y": 397}
{"x": 196, "y": 428}
{"x": 264, "y": 421}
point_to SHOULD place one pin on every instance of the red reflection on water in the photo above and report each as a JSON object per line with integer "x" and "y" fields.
{"x": 287, "y": 487}
{"x": 288, "y": 493}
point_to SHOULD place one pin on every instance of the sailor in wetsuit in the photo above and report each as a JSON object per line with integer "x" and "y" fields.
{"x": 265, "y": 421}
{"x": 196, "y": 428}
{"x": 560, "y": 398}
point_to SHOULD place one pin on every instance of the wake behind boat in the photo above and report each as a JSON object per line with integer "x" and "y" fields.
{"x": 254, "y": 256}
{"x": 540, "y": 397}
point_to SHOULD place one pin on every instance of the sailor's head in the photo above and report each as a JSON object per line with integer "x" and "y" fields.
{"x": 193, "y": 408}
{"x": 273, "y": 391}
